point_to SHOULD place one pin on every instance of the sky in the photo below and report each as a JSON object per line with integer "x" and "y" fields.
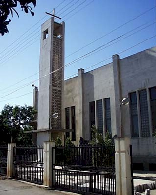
{"x": 121, "y": 27}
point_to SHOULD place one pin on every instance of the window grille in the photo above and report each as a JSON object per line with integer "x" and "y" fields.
{"x": 145, "y": 131}
{"x": 153, "y": 107}
{"x": 107, "y": 115}
{"x": 67, "y": 115}
{"x": 100, "y": 116}
{"x": 134, "y": 115}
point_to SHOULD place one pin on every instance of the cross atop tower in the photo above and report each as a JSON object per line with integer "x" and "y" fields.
{"x": 53, "y": 14}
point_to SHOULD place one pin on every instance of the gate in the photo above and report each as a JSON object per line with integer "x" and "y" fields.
{"x": 85, "y": 169}
{"x": 28, "y": 163}
{"x": 3, "y": 160}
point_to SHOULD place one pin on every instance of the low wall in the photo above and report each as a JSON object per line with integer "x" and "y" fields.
{"x": 144, "y": 153}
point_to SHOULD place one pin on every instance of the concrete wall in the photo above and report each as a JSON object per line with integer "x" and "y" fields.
{"x": 134, "y": 73}
{"x": 42, "y": 137}
{"x": 144, "y": 152}
{"x": 44, "y": 69}
{"x": 98, "y": 84}
{"x": 144, "y": 146}
{"x": 137, "y": 72}
{"x": 89, "y": 85}
{"x": 71, "y": 98}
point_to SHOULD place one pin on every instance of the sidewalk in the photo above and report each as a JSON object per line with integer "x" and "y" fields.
{"x": 153, "y": 192}
{"x": 10, "y": 187}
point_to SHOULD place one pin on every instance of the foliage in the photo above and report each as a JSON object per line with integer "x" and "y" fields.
{"x": 97, "y": 138}
{"x": 69, "y": 143}
{"x": 103, "y": 153}
{"x": 13, "y": 122}
{"x": 68, "y": 152}
{"x": 7, "y": 7}
{"x": 154, "y": 133}
{"x": 58, "y": 142}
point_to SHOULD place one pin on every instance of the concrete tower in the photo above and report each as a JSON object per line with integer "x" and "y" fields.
{"x": 51, "y": 74}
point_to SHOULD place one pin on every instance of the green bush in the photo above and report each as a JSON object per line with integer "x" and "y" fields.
{"x": 69, "y": 151}
{"x": 58, "y": 142}
{"x": 104, "y": 154}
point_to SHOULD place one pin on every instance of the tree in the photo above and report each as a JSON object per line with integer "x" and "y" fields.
{"x": 13, "y": 122}
{"x": 7, "y": 8}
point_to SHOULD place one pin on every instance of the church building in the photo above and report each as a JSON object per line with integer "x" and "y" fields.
{"x": 119, "y": 98}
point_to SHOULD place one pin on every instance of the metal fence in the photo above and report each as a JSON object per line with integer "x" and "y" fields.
{"x": 85, "y": 169}
{"x": 28, "y": 163}
{"x": 3, "y": 160}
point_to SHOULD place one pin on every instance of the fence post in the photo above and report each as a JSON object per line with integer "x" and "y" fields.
{"x": 123, "y": 166}
{"x": 47, "y": 163}
{"x": 10, "y": 161}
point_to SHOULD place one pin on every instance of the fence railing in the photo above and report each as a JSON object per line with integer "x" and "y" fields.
{"x": 28, "y": 163}
{"x": 3, "y": 160}
{"x": 87, "y": 169}
{"x": 84, "y": 169}
{"x": 86, "y": 156}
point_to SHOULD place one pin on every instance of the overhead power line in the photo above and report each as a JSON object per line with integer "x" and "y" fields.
{"x": 17, "y": 97}
{"x": 94, "y": 40}
{"x": 36, "y": 32}
{"x": 97, "y": 63}
{"x": 21, "y": 87}
{"x": 91, "y": 52}
{"x": 138, "y": 16}
{"x": 30, "y": 28}
{"x": 80, "y": 10}
{"x": 34, "y": 42}
{"x": 108, "y": 44}
{"x": 14, "y": 49}
{"x": 74, "y": 8}
{"x": 20, "y": 49}
{"x": 69, "y": 6}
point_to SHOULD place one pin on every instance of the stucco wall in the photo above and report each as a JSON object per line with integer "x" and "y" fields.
{"x": 44, "y": 82}
{"x": 71, "y": 98}
{"x": 71, "y": 94}
{"x": 97, "y": 84}
{"x": 144, "y": 146}
{"x": 138, "y": 72}
{"x": 144, "y": 153}
{"x": 42, "y": 137}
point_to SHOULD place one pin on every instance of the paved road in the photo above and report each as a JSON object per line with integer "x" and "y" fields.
{"x": 10, "y": 187}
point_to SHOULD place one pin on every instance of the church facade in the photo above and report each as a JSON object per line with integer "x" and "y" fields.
{"x": 119, "y": 98}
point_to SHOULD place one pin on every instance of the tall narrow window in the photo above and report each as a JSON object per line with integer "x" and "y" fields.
{"x": 92, "y": 114}
{"x": 73, "y": 120}
{"x": 107, "y": 115}
{"x": 134, "y": 115}
{"x": 99, "y": 116}
{"x": 145, "y": 132}
{"x": 153, "y": 107}
{"x": 67, "y": 117}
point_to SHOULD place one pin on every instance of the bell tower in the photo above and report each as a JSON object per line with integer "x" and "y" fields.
{"x": 51, "y": 77}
